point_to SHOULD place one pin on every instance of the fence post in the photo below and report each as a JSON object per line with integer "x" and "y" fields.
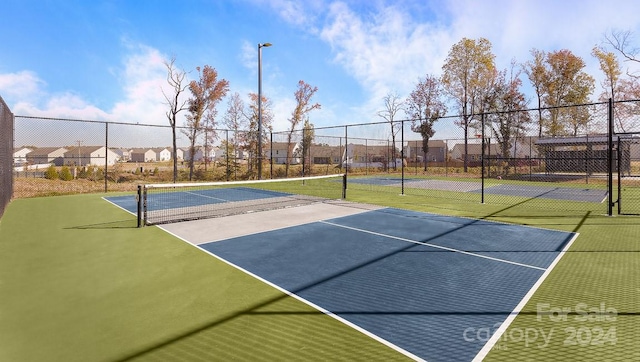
{"x": 610, "y": 159}
{"x": 106, "y": 156}
{"x": 482, "y": 153}
{"x": 401, "y": 153}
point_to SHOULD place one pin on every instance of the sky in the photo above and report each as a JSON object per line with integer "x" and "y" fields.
{"x": 104, "y": 59}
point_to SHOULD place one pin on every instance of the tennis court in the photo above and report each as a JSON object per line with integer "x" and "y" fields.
{"x": 529, "y": 191}
{"x": 417, "y": 282}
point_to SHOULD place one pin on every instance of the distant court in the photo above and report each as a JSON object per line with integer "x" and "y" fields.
{"x": 530, "y": 191}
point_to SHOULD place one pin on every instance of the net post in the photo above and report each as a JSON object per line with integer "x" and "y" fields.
{"x": 344, "y": 186}
{"x": 139, "y": 199}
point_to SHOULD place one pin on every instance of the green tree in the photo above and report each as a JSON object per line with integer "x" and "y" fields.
{"x": 425, "y": 106}
{"x": 65, "y": 174}
{"x": 51, "y": 173}
{"x": 467, "y": 71}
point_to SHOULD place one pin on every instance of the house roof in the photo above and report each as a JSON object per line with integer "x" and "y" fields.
{"x": 432, "y": 143}
{"x": 45, "y": 151}
{"x": 476, "y": 148}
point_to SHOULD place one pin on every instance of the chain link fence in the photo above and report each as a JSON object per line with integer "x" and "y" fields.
{"x": 6, "y": 155}
{"x": 502, "y": 158}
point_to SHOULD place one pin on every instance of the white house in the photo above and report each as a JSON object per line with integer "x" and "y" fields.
{"x": 278, "y": 153}
{"x": 162, "y": 154}
{"x": 142, "y": 155}
{"x": 20, "y": 155}
{"x": 47, "y": 155}
{"x": 124, "y": 154}
{"x": 90, "y": 155}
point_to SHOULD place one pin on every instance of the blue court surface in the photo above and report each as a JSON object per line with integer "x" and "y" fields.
{"x": 530, "y": 191}
{"x": 181, "y": 199}
{"x": 420, "y": 282}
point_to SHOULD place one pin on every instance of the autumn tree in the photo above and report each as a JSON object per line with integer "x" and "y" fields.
{"x": 392, "y": 105}
{"x": 249, "y": 139}
{"x": 303, "y": 96}
{"x": 507, "y": 116}
{"x": 566, "y": 84}
{"x": 176, "y": 81}
{"x": 425, "y": 106}
{"x": 206, "y": 92}
{"x": 536, "y": 71}
{"x": 468, "y": 69}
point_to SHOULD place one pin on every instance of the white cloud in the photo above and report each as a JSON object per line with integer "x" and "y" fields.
{"x": 24, "y": 85}
{"x": 144, "y": 77}
{"x": 386, "y": 52}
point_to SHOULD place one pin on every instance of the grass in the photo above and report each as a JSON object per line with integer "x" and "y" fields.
{"x": 80, "y": 282}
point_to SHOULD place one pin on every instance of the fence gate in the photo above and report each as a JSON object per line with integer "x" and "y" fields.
{"x": 628, "y": 187}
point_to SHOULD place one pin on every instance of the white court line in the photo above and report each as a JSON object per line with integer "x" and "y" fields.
{"x": 507, "y": 322}
{"x": 435, "y": 246}
{"x": 206, "y": 196}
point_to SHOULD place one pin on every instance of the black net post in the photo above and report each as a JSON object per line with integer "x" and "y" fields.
{"x": 610, "y": 158}
{"x": 139, "y": 199}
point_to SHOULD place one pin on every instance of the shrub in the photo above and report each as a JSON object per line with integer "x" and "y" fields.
{"x": 65, "y": 174}
{"x": 51, "y": 173}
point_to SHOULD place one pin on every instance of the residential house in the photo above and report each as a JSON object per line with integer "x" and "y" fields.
{"x": 90, "y": 155}
{"x": 199, "y": 154}
{"x": 437, "y": 151}
{"x": 124, "y": 154}
{"x": 474, "y": 151}
{"x": 143, "y": 155}
{"x": 277, "y": 151}
{"x": 20, "y": 155}
{"x": 162, "y": 154}
{"x": 325, "y": 154}
{"x": 47, "y": 155}
{"x": 364, "y": 155}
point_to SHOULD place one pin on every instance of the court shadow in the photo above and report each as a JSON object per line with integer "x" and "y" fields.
{"x": 120, "y": 224}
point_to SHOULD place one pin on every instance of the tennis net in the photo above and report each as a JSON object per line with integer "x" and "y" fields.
{"x": 166, "y": 203}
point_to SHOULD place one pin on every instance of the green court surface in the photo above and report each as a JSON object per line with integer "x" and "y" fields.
{"x": 79, "y": 282}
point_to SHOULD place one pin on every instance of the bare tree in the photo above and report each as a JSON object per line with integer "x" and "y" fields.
{"x": 620, "y": 41}
{"x": 303, "y": 96}
{"x": 234, "y": 120}
{"x": 175, "y": 79}
{"x": 392, "y": 105}
{"x": 250, "y": 138}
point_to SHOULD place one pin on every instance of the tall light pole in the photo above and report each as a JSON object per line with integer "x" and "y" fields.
{"x": 260, "y": 46}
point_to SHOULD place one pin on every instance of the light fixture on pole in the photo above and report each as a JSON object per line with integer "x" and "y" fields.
{"x": 260, "y": 46}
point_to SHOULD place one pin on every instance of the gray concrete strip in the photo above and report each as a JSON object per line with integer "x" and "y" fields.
{"x": 208, "y": 230}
